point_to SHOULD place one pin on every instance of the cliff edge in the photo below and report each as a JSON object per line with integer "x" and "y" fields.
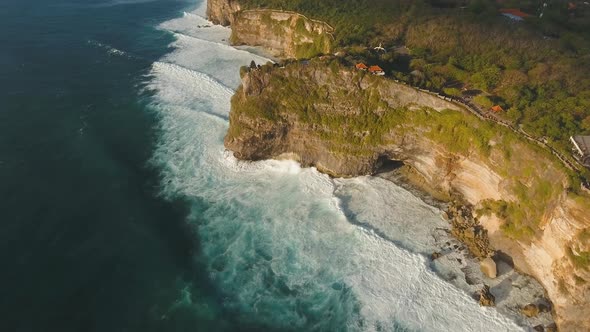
{"x": 222, "y": 11}
{"x": 347, "y": 122}
{"x": 283, "y": 34}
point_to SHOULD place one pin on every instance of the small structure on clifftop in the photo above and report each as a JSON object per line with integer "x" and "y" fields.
{"x": 581, "y": 149}
{"x": 361, "y": 66}
{"x": 497, "y": 109}
{"x": 376, "y": 70}
{"x": 514, "y": 14}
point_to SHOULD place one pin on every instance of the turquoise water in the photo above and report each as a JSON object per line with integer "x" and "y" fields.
{"x": 121, "y": 211}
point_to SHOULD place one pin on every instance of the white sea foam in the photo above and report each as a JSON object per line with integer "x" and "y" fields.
{"x": 110, "y": 49}
{"x": 194, "y": 25}
{"x": 283, "y": 242}
{"x": 214, "y": 59}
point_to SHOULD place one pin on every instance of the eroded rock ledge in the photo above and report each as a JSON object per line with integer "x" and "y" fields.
{"x": 283, "y": 34}
{"x": 347, "y": 123}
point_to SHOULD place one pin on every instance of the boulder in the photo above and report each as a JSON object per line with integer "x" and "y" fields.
{"x": 486, "y": 298}
{"x": 530, "y": 310}
{"x": 488, "y": 267}
{"x": 435, "y": 255}
{"x": 539, "y": 328}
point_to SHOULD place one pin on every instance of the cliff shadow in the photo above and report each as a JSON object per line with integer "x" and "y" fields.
{"x": 386, "y": 165}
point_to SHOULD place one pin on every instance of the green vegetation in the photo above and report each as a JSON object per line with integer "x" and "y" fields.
{"x": 483, "y": 101}
{"x": 372, "y": 119}
{"x": 581, "y": 260}
{"x": 364, "y": 120}
{"x": 305, "y": 43}
{"x": 538, "y": 70}
{"x": 579, "y": 280}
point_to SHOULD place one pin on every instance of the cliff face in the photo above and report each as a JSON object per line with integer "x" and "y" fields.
{"x": 222, "y": 11}
{"x": 283, "y": 34}
{"x": 346, "y": 122}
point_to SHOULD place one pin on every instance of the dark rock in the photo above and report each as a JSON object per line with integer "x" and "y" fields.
{"x": 465, "y": 228}
{"x": 500, "y": 256}
{"x": 486, "y": 298}
{"x": 435, "y": 255}
{"x": 539, "y": 328}
{"x": 544, "y": 308}
{"x": 470, "y": 277}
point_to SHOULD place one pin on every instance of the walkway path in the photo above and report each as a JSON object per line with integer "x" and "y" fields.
{"x": 571, "y": 164}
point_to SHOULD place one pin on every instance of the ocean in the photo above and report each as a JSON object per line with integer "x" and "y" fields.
{"x": 121, "y": 210}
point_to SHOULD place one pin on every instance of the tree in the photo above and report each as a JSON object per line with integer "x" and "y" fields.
{"x": 452, "y": 91}
{"x": 514, "y": 114}
{"x": 483, "y": 101}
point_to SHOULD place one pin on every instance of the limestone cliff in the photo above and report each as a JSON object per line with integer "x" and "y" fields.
{"x": 347, "y": 122}
{"x": 284, "y": 34}
{"x": 222, "y": 11}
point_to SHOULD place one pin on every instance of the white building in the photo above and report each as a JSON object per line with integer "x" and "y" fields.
{"x": 582, "y": 148}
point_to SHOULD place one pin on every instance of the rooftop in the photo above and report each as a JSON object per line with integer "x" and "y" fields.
{"x": 583, "y": 143}
{"x": 497, "y": 108}
{"x": 375, "y": 68}
{"x": 515, "y": 12}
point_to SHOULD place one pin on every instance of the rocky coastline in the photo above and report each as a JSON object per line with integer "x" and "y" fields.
{"x": 469, "y": 254}
{"x": 283, "y": 34}
{"x": 471, "y": 173}
{"x": 267, "y": 123}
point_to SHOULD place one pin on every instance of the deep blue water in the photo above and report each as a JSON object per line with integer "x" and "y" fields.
{"x": 85, "y": 242}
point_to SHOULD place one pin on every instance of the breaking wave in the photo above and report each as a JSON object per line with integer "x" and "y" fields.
{"x": 290, "y": 247}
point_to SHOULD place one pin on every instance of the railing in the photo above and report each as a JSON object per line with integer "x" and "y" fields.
{"x": 574, "y": 166}
{"x": 485, "y": 116}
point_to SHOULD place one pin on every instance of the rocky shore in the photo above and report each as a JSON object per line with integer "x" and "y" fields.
{"x": 518, "y": 210}
{"x": 467, "y": 259}
{"x": 348, "y": 123}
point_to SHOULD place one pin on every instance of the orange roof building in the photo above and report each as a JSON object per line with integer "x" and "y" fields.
{"x": 571, "y": 6}
{"x": 497, "y": 109}
{"x": 361, "y": 66}
{"x": 514, "y": 14}
{"x": 376, "y": 70}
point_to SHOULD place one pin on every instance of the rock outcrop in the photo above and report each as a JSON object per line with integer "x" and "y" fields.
{"x": 222, "y": 11}
{"x": 488, "y": 267}
{"x": 467, "y": 229}
{"x": 486, "y": 298}
{"x": 283, "y": 34}
{"x": 530, "y": 310}
{"x": 347, "y": 123}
